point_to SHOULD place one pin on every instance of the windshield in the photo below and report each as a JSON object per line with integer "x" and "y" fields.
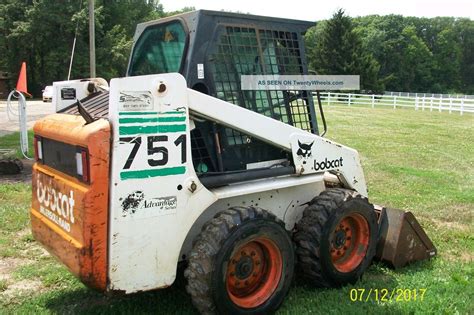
{"x": 159, "y": 49}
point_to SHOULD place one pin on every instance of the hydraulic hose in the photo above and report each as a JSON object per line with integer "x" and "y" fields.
{"x": 19, "y": 112}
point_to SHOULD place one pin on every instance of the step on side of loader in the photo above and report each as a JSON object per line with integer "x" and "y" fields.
{"x": 402, "y": 240}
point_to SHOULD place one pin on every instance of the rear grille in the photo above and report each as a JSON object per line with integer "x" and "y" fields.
{"x": 60, "y": 156}
{"x": 96, "y": 104}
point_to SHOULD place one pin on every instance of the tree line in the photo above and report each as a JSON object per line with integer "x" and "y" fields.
{"x": 41, "y": 32}
{"x": 388, "y": 52}
{"x": 396, "y": 53}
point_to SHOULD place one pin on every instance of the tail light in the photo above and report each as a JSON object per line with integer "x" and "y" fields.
{"x": 82, "y": 164}
{"x": 38, "y": 148}
{"x": 67, "y": 158}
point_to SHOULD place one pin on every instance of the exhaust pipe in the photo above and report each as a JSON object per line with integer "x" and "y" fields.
{"x": 402, "y": 240}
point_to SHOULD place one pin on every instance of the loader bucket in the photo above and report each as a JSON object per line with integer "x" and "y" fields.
{"x": 401, "y": 239}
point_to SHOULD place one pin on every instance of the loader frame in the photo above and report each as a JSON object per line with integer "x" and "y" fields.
{"x": 171, "y": 201}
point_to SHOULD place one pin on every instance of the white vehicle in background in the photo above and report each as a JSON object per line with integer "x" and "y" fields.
{"x": 48, "y": 94}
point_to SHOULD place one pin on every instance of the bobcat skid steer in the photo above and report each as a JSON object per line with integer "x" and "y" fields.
{"x": 175, "y": 162}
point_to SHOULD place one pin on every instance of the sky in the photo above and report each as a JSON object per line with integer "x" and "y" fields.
{"x": 315, "y": 10}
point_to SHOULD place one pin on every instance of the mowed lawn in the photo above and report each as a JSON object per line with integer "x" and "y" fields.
{"x": 419, "y": 161}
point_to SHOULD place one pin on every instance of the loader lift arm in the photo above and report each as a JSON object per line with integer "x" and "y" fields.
{"x": 317, "y": 156}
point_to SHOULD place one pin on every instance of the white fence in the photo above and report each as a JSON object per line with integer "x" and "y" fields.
{"x": 429, "y": 95}
{"x": 423, "y": 103}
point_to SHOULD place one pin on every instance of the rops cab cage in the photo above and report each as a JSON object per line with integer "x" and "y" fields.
{"x": 212, "y": 50}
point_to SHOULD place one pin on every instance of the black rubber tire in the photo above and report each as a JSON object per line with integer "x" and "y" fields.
{"x": 10, "y": 166}
{"x": 208, "y": 260}
{"x": 314, "y": 230}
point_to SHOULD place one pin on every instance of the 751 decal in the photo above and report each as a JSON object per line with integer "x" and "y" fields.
{"x": 157, "y": 149}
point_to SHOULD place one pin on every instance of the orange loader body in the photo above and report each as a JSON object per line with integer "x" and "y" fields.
{"x": 78, "y": 209}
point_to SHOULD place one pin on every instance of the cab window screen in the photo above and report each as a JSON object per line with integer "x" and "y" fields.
{"x": 159, "y": 49}
{"x": 250, "y": 51}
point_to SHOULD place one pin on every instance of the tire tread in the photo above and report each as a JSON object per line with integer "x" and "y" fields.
{"x": 309, "y": 233}
{"x": 206, "y": 247}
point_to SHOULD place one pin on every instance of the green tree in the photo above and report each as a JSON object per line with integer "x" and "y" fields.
{"x": 416, "y": 63}
{"x": 447, "y": 62}
{"x": 335, "y": 48}
{"x": 116, "y": 23}
{"x": 381, "y": 36}
{"x": 400, "y": 53}
{"x": 465, "y": 31}
{"x": 421, "y": 54}
{"x": 41, "y": 33}
{"x": 42, "y": 37}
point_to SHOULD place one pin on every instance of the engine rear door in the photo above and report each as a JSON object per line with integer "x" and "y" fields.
{"x": 69, "y": 210}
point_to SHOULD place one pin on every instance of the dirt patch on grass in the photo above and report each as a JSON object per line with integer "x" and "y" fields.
{"x": 23, "y": 287}
{"x": 459, "y": 212}
{"x": 467, "y": 257}
{"x": 450, "y": 225}
{"x": 8, "y": 264}
{"x": 30, "y": 247}
{"x": 11, "y": 287}
{"x": 464, "y": 257}
{"x": 34, "y": 249}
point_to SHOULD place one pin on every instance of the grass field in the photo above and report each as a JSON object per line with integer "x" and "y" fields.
{"x": 12, "y": 141}
{"x": 419, "y": 161}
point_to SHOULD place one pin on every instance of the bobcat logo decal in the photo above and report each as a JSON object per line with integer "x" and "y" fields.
{"x": 304, "y": 150}
{"x": 131, "y": 203}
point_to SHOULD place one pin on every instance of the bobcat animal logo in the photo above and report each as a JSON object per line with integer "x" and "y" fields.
{"x": 304, "y": 150}
{"x": 131, "y": 203}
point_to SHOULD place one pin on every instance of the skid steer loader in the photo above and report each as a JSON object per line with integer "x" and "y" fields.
{"x": 175, "y": 162}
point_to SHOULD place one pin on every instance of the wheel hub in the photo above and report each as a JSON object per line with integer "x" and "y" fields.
{"x": 340, "y": 239}
{"x": 244, "y": 267}
{"x": 349, "y": 242}
{"x": 253, "y": 272}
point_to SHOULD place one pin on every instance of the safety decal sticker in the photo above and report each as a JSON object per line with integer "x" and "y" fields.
{"x": 135, "y": 101}
{"x": 136, "y": 202}
{"x": 153, "y": 143}
{"x": 134, "y": 123}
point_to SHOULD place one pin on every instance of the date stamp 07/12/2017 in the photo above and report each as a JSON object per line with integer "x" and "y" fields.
{"x": 386, "y": 295}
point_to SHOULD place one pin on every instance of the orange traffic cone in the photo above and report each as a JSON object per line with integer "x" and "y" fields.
{"x": 21, "y": 84}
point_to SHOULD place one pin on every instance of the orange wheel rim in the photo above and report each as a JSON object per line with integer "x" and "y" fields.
{"x": 253, "y": 272}
{"x": 349, "y": 242}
